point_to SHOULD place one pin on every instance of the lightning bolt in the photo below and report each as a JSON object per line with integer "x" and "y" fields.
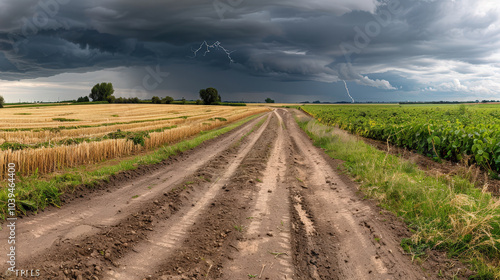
{"x": 345, "y": 84}
{"x": 216, "y": 46}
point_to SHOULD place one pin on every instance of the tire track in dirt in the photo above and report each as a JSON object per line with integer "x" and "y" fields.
{"x": 102, "y": 210}
{"x": 266, "y": 246}
{"x": 365, "y": 248}
{"x": 215, "y": 234}
{"x": 149, "y": 255}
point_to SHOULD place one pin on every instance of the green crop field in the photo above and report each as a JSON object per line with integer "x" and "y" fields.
{"x": 452, "y": 132}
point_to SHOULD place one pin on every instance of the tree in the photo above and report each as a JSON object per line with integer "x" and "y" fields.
{"x": 269, "y": 100}
{"x": 167, "y": 100}
{"x": 183, "y": 100}
{"x": 101, "y": 92}
{"x": 2, "y": 101}
{"x": 156, "y": 100}
{"x": 209, "y": 96}
{"x": 83, "y": 99}
{"x": 111, "y": 99}
{"x": 198, "y": 101}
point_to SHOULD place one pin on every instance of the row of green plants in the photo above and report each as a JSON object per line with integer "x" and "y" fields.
{"x": 445, "y": 213}
{"x": 455, "y": 133}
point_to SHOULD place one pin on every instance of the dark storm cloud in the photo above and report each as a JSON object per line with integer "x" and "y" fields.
{"x": 278, "y": 40}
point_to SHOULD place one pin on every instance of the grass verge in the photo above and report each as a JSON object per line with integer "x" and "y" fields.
{"x": 255, "y": 127}
{"x": 35, "y": 193}
{"x": 444, "y": 213}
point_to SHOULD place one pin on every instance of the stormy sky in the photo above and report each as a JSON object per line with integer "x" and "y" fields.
{"x": 291, "y": 51}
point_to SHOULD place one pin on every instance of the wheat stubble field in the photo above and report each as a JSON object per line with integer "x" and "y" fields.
{"x": 46, "y": 139}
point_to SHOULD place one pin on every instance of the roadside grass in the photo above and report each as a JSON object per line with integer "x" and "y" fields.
{"x": 35, "y": 192}
{"x": 445, "y": 213}
{"x": 255, "y": 127}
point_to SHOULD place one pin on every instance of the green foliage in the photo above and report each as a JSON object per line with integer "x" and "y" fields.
{"x": 199, "y": 102}
{"x": 13, "y": 146}
{"x": 210, "y": 96}
{"x": 446, "y": 213}
{"x": 83, "y": 99}
{"x": 416, "y": 250}
{"x": 102, "y": 92}
{"x": 239, "y": 228}
{"x": 127, "y": 100}
{"x": 156, "y": 100}
{"x": 441, "y": 132}
{"x": 138, "y": 137}
{"x": 2, "y": 101}
{"x": 269, "y": 100}
{"x": 65, "y": 120}
{"x": 111, "y": 99}
{"x": 167, "y": 100}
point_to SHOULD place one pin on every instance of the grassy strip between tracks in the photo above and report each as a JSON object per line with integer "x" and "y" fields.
{"x": 35, "y": 193}
{"x": 444, "y": 213}
{"x": 255, "y": 127}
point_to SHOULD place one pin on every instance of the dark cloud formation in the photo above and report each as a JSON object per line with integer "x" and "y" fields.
{"x": 389, "y": 49}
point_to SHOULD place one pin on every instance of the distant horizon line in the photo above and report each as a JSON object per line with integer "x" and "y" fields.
{"x": 302, "y": 102}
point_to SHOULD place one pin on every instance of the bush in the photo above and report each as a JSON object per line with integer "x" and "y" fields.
{"x": 127, "y": 100}
{"x": 111, "y": 99}
{"x": 83, "y": 99}
{"x": 156, "y": 100}
{"x": 167, "y": 100}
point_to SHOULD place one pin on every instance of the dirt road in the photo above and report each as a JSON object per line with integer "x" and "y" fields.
{"x": 259, "y": 202}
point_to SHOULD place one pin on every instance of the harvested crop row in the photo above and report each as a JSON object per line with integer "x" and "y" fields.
{"x": 98, "y": 114}
{"x": 46, "y": 160}
{"x": 59, "y": 134}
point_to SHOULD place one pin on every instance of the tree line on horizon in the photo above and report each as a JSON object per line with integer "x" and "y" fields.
{"x": 103, "y": 92}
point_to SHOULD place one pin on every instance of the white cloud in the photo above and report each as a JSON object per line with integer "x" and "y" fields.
{"x": 454, "y": 85}
{"x": 348, "y": 73}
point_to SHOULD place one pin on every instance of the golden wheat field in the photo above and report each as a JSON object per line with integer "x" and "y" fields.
{"x": 46, "y": 139}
